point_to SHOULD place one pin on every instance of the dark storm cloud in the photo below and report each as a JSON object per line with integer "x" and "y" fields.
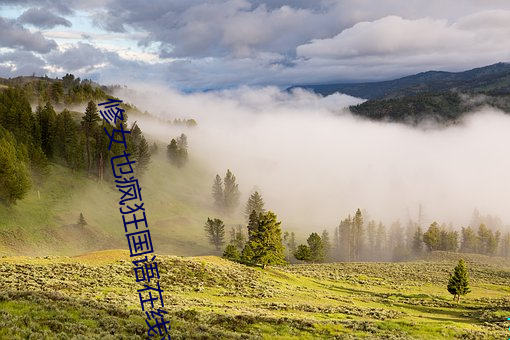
{"x": 16, "y": 36}
{"x": 42, "y": 18}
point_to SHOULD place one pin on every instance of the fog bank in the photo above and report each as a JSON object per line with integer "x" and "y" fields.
{"x": 315, "y": 163}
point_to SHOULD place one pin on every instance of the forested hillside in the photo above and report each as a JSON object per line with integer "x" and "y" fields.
{"x": 443, "y": 97}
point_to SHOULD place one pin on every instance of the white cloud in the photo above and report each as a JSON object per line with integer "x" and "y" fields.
{"x": 483, "y": 37}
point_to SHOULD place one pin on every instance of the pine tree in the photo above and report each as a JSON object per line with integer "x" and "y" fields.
{"x": 253, "y": 225}
{"x": 88, "y": 123}
{"x": 215, "y": 230}
{"x": 247, "y": 254}
{"x": 255, "y": 203}
{"x": 46, "y": 117}
{"x": 231, "y": 253}
{"x": 336, "y": 245}
{"x": 303, "y": 253}
{"x": 81, "y": 221}
{"x": 316, "y": 247}
{"x": 432, "y": 237}
{"x": 143, "y": 157}
{"x": 177, "y": 151}
{"x": 67, "y": 138}
{"x": 289, "y": 240}
{"x": 505, "y": 245}
{"x": 381, "y": 240}
{"x": 237, "y": 237}
{"x": 418, "y": 241}
{"x": 371, "y": 238}
{"x": 154, "y": 149}
{"x": 458, "y": 284}
{"x": 345, "y": 232}
{"x": 357, "y": 234}
{"x": 14, "y": 175}
{"x": 470, "y": 243}
{"x": 326, "y": 243}
{"x": 266, "y": 241}
{"x": 217, "y": 193}
{"x": 230, "y": 192}
{"x": 172, "y": 152}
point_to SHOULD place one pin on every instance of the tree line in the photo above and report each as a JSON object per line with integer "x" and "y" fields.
{"x": 30, "y": 140}
{"x": 357, "y": 240}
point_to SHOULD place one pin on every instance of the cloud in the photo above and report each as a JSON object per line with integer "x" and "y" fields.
{"x": 80, "y": 56}
{"x": 60, "y": 6}
{"x": 477, "y": 39}
{"x": 15, "y": 36}
{"x": 218, "y": 44}
{"x": 314, "y": 163}
{"x": 21, "y": 62}
{"x": 42, "y": 18}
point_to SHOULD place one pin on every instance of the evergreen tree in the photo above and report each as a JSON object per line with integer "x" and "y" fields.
{"x": 177, "y": 151}
{"x": 381, "y": 239}
{"x": 247, "y": 254}
{"x": 357, "y": 234}
{"x": 89, "y": 122}
{"x": 336, "y": 245}
{"x": 255, "y": 203}
{"x": 469, "y": 241}
{"x": 154, "y": 148}
{"x": 493, "y": 242}
{"x": 371, "y": 238}
{"x": 143, "y": 158}
{"x": 451, "y": 242}
{"x": 67, "y": 140}
{"x": 16, "y": 115}
{"x": 432, "y": 237}
{"x": 253, "y": 225}
{"x": 237, "y": 237}
{"x": 345, "y": 232}
{"x": 458, "y": 283}
{"x": 326, "y": 243}
{"x": 266, "y": 241}
{"x": 231, "y": 192}
{"x": 303, "y": 253}
{"x": 14, "y": 175}
{"x": 81, "y": 221}
{"x": 46, "y": 117}
{"x": 418, "y": 241}
{"x": 217, "y": 193}
{"x": 215, "y": 230}
{"x": 487, "y": 240}
{"x": 289, "y": 239}
{"x": 231, "y": 253}
{"x": 172, "y": 152}
{"x": 316, "y": 247}
{"x": 505, "y": 245}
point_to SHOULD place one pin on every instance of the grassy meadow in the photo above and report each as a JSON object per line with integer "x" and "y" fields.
{"x": 94, "y": 296}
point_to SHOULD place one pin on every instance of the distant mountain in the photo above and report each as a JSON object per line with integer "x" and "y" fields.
{"x": 493, "y": 79}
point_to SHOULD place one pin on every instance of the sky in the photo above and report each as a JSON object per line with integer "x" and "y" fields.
{"x": 194, "y": 45}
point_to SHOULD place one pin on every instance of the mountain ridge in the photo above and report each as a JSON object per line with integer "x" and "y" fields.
{"x": 485, "y": 79}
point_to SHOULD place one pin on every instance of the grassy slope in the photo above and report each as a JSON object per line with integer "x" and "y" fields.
{"x": 177, "y": 203}
{"x": 94, "y": 296}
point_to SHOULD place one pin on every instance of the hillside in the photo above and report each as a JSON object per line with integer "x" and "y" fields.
{"x": 443, "y": 97}
{"x": 488, "y": 79}
{"x": 45, "y": 222}
{"x": 94, "y": 296}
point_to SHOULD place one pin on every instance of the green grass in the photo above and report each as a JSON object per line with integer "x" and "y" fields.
{"x": 177, "y": 204}
{"x": 211, "y": 298}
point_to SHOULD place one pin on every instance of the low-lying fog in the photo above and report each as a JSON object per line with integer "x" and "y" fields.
{"x": 315, "y": 163}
